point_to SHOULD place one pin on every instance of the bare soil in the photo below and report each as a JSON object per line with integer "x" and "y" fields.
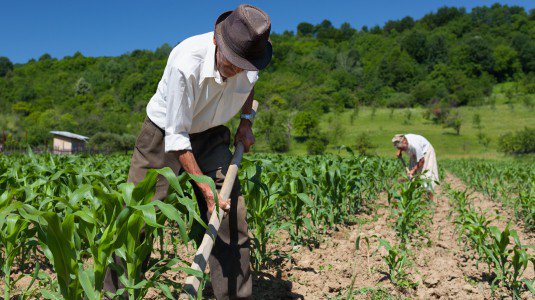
{"x": 441, "y": 266}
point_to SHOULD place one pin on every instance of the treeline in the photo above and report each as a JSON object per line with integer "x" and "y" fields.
{"x": 448, "y": 58}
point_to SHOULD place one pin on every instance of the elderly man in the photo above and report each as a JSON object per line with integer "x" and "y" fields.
{"x": 207, "y": 80}
{"x": 422, "y": 157}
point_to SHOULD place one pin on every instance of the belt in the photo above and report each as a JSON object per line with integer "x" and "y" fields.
{"x": 196, "y": 135}
{"x": 154, "y": 124}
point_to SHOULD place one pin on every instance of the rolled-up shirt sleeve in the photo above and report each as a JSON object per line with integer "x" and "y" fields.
{"x": 179, "y": 113}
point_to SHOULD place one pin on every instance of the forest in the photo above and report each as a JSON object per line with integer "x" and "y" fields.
{"x": 447, "y": 59}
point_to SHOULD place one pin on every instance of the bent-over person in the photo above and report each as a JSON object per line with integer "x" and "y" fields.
{"x": 422, "y": 158}
{"x": 207, "y": 80}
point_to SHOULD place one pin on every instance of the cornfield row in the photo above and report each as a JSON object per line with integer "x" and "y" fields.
{"x": 500, "y": 250}
{"x": 510, "y": 182}
{"x": 62, "y": 218}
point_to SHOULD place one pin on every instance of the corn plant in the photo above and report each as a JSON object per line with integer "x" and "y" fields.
{"x": 14, "y": 235}
{"x": 410, "y": 207}
{"x": 510, "y": 182}
{"x": 509, "y": 260}
{"x": 506, "y": 259}
{"x": 397, "y": 260}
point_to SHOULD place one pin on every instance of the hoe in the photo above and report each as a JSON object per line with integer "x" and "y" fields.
{"x": 201, "y": 257}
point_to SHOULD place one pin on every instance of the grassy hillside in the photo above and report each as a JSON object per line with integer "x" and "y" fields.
{"x": 495, "y": 121}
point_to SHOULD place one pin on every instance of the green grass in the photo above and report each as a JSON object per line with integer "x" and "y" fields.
{"x": 386, "y": 124}
{"x": 495, "y": 120}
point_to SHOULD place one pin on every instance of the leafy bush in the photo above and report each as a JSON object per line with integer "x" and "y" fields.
{"x": 279, "y": 140}
{"x": 272, "y": 125}
{"x": 305, "y": 123}
{"x": 437, "y": 113}
{"x": 317, "y": 144}
{"x": 400, "y": 100}
{"x": 112, "y": 142}
{"x": 521, "y": 142}
{"x": 454, "y": 121}
{"x": 363, "y": 143}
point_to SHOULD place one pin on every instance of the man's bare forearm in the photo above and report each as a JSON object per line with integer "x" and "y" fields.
{"x": 419, "y": 165}
{"x": 189, "y": 164}
{"x": 247, "y": 107}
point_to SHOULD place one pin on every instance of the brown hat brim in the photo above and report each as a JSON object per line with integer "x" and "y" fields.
{"x": 235, "y": 59}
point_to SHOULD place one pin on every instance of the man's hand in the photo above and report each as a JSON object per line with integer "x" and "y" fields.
{"x": 209, "y": 197}
{"x": 188, "y": 162}
{"x": 245, "y": 135}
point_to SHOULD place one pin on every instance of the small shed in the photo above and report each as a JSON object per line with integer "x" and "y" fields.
{"x": 68, "y": 143}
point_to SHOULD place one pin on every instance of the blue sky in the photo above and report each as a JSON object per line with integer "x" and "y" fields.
{"x": 30, "y": 28}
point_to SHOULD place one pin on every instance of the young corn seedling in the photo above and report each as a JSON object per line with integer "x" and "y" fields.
{"x": 261, "y": 199}
{"x": 411, "y": 208}
{"x": 14, "y": 233}
{"x": 508, "y": 259}
{"x": 397, "y": 260}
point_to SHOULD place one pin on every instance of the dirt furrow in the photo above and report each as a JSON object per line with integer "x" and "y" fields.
{"x": 444, "y": 266}
{"x": 479, "y": 275}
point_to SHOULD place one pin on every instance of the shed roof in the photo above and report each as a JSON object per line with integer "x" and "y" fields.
{"x": 70, "y": 135}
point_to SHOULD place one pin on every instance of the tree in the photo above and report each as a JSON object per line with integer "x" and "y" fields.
{"x": 520, "y": 142}
{"x": 476, "y": 121}
{"x": 6, "y": 66}
{"x": 22, "y": 108}
{"x": 273, "y": 126}
{"x": 163, "y": 51}
{"x": 398, "y": 70}
{"x": 127, "y": 142}
{"x": 131, "y": 86}
{"x": 443, "y": 16}
{"x": 105, "y": 141}
{"x": 317, "y": 144}
{"x": 506, "y": 63}
{"x": 424, "y": 92}
{"x": 483, "y": 139}
{"x": 336, "y": 132}
{"x": 45, "y": 57}
{"x": 325, "y": 31}
{"x": 437, "y": 49}
{"x": 279, "y": 140}
{"x": 416, "y": 46}
{"x": 363, "y": 144}
{"x": 305, "y": 124}
{"x": 406, "y": 23}
{"x": 82, "y": 87}
{"x": 454, "y": 121}
{"x": 304, "y": 29}
{"x": 475, "y": 56}
{"x": 525, "y": 47}
{"x": 346, "y": 32}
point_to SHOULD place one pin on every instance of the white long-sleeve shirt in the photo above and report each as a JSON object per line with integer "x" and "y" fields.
{"x": 192, "y": 96}
{"x": 418, "y": 146}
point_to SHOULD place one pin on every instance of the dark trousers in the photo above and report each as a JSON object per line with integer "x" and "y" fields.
{"x": 230, "y": 258}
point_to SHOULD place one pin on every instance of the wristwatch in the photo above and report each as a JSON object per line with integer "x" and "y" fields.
{"x": 249, "y": 117}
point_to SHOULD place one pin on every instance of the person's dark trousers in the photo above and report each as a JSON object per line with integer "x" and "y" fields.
{"x": 230, "y": 259}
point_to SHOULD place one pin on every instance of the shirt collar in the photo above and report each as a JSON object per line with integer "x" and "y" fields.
{"x": 209, "y": 70}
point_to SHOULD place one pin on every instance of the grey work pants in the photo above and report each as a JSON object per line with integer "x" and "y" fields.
{"x": 230, "y": 259}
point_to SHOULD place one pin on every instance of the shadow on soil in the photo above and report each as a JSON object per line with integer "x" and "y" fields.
{"x": 267, "y": 286}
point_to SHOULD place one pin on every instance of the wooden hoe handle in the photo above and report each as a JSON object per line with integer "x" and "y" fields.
{"x": 201, "y": 257}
